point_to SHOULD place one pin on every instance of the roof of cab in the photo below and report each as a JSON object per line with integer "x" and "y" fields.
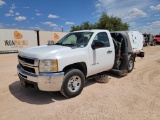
{"x": 92, "y": 30}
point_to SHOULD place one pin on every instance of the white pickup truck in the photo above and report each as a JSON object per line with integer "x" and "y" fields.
{"x": 66, "y": 65}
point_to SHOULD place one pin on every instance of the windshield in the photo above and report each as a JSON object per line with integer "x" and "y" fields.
{"x": 76, "y": 39}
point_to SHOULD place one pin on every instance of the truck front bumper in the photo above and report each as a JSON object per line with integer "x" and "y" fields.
{"x": 43, "y": 81}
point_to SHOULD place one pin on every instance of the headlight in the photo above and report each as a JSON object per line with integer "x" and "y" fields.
{"x": 48, "y": 66}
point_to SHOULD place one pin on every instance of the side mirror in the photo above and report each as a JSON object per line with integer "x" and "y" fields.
{"x": 98, "y": 44}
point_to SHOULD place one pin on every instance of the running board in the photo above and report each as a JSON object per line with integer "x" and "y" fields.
{"x": 120, "y": 72}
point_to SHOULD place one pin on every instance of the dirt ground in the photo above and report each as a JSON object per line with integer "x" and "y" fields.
{"x": 133, "y": 97}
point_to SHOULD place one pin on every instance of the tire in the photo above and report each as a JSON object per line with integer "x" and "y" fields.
{"x": 153, "y": 44}
{"x": 73, "y": 83}
{"x": 130, "y": 64}
{"x": 102, "y": 79}
{"x": 123, "y": 73}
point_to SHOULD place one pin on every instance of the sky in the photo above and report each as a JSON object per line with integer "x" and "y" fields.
{"x": 53, "y": 15}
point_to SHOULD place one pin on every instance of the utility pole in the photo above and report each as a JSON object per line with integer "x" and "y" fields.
{"x": 62, "y": 29}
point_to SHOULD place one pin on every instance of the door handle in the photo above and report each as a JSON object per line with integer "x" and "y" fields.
{"x": 109, "y": 51}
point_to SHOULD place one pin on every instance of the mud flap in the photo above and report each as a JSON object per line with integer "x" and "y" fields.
{"x": 124, "y": 62}
{"x": 121, "y": 73}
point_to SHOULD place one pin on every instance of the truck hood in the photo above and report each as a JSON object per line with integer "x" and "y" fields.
{"x": 42, "y": 52}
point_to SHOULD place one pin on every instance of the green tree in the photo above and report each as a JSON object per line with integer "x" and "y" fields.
{"x": 110, "y": 23}
{"x": 75, "y": 28}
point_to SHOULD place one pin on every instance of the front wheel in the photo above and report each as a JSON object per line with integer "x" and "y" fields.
{"x": 73, "y": 83}
{"x": 130, "y": 64}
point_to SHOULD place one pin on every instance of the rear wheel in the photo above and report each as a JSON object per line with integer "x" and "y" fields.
{"x": 73, "y": 83}
{"x": 130, "y": 64}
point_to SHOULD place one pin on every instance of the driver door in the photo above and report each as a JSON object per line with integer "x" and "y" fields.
{"x": 101, "y": 59}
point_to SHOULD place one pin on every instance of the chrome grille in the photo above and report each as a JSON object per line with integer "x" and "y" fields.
{"x": 26, "y": 60}
{"x": 28, "y": 69}
{"x": 29, "y": 65}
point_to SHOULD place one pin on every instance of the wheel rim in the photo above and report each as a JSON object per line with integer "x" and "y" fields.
{"x": 130, "y": 65}
{"x": 74, "y": 83}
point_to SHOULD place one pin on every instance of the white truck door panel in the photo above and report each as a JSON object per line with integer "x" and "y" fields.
{"x": 101, "y": 59}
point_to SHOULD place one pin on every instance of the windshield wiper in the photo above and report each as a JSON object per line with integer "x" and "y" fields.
{"x": 67, "y": 44}
{"x": 58, "y": 43}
